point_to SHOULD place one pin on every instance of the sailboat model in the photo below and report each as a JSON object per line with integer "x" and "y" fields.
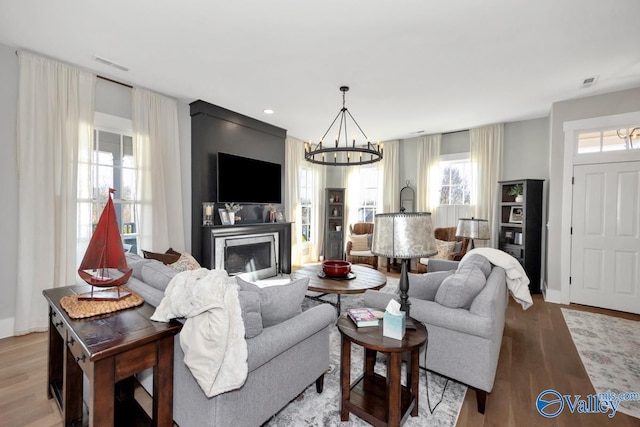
{"x": 104, "y": 264}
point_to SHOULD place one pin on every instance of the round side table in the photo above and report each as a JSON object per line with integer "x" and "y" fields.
{"x": 372, "y": 397}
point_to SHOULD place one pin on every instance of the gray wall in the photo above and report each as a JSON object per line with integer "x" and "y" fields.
{"x": 111, "y": 98}
{"x": 576, "y": 109}
{"x": 9, "y": 188}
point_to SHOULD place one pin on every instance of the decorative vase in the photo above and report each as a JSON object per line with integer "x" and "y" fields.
{"x": 519, "y": 198}
{"x": 232, "y": 218}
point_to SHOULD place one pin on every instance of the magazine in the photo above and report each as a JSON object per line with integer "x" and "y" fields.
{"x": 362, "y": 317}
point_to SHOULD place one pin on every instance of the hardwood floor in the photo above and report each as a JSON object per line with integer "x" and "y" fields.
{"x": 537, "y": 354}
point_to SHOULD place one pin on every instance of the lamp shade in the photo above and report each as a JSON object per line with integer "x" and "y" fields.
{"x": 404, "y": 235}
{"x": 473, "y": 228}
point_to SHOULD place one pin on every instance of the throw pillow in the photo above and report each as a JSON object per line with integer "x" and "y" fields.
{"x": 278, "y": 303}
{"x": 478, "y": 261}
{"x": 185, "y": 262}
{"x": 459, "y": 289}
{"x": 360, "y": 242}
{"x": 424, "y": 286}
{"x": 444, "y": 249}
{"x": 163, "y": 258}
{"x": 251, "y": 315}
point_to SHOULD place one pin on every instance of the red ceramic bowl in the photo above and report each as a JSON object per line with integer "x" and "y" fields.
{"x": 336, "y": 268}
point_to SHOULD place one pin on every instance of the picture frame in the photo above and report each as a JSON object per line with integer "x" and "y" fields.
{"x": 516, "y": 214}
{"x": 224, "y": 217}
{"x": 280, "y": 217}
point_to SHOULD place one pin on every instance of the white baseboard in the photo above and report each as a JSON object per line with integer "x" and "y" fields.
{"x": 552, "y": 295}
{"x": 6, "y": 327}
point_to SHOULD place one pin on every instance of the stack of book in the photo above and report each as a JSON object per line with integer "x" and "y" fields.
{"x": 362, "y": 317}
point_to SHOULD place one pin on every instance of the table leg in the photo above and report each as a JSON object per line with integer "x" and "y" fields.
{"x": 71, "y": 389}
{"x": 394, "y": 409}
{"x": 163, "y": 384}
{"x": 345, "y": 377}
{"x": 413, "y": 378}
{"x": 369, "y": 361}
{"x": 101, "y": 393}
{"x": 338, "y": 306}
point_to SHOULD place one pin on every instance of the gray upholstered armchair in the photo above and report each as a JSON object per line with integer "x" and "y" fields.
{"x": 464, "y": 343}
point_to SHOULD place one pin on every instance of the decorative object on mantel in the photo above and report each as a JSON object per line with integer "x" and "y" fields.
{"x": 232, "y": 208}
{"x": 271, "y": 213}
{"x": 404, "y": 236}
{"x": 207, "y": 213}
{"x": 516, "y": 190}
{"x": 224, "y": 217}
{"x": 280, "y": 217}
{"x": 473, "y": 228}
{"x": 343, "y": 155}
{"x": 104, "y": 263}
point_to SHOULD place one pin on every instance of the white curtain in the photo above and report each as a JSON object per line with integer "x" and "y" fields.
{"x": 428, "y": 185}
{"x": 486, "y": 159}
{"x": 55, "y": 117}
{"x": 302, "y": 252}
{"x": 159, "y": 189}
{"x": 389, "y": 181}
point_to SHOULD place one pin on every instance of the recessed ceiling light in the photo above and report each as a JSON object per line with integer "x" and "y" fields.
{"x": 268, "y": 111}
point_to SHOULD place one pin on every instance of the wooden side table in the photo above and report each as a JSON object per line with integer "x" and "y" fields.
{"x": 109, "y": 349}
{"x": 378, "y": 400}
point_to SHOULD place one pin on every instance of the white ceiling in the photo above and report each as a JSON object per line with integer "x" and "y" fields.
{"x": 412, "y": 65}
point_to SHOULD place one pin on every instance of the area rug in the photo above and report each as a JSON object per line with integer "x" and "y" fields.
{"x": 609, "y": 348}
{"x": 320, "y": 410}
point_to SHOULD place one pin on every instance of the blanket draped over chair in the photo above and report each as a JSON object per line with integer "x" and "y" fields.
{"x": 212, "y": 337}
{"x": 517, "y": 280}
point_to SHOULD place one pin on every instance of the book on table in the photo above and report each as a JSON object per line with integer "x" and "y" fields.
{"x": 362, "y": 317}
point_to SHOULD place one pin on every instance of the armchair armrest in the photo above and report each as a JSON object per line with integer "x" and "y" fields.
{"x": 277, "y": 338}
{"x": 348, "y": 248}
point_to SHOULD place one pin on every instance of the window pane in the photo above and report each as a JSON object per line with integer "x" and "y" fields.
{"x": 444, "y": 196}
{"x": 128, "y": 185}
{"x": 612, "y": 142}
{"x": 589, "y": 142}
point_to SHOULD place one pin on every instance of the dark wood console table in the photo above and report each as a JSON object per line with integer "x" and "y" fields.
{"x": 378, "y": 400}
{"x": 109, "y": 349}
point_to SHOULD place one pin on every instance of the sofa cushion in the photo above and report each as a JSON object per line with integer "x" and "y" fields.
{"x": 459, "y": 289}
{"x": 478, "y": 261}
{"x": 424, "y": 286}
{"x": 280, "y": 302}
{"x": 444, "y": 249}
{"x": 166, "y": 258}
{"x": 185, "y": 262}
{"x": 135, "y": 262}
{"x": 157, "y": 275}
{"x": 251, "y": 314}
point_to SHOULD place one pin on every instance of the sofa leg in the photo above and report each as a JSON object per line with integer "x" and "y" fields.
{"x": 481, "y": 397}
{"x": 320, "y": 383}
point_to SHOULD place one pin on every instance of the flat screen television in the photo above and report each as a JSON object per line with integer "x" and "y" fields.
{"x": 245, "y": 180}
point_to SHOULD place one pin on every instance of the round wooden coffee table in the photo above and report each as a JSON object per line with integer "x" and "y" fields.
{"x": 366, "y": 278}
{"x": 372, "y": 397}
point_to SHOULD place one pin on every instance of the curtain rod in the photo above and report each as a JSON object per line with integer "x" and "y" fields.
{"x": 104, "y": 78}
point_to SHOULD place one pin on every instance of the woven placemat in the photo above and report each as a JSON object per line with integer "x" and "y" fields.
{"x": 79, "y": 309}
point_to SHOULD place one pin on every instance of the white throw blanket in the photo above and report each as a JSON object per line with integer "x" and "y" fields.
{"x": 212, "y": 337}
{"x": 517, "y": 280}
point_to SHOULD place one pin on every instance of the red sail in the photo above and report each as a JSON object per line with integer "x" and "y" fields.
{"x": 105, "y": 251}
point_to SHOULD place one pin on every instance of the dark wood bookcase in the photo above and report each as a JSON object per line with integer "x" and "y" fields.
{"x": 521, "y": 226}
{"x": 334, "y": 223}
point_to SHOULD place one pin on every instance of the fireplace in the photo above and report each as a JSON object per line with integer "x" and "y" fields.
{"x": 251, "y": 256}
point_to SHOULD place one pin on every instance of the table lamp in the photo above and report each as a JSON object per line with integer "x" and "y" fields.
{"x": 473, "y": 228}
{"x": 404, "y": 236}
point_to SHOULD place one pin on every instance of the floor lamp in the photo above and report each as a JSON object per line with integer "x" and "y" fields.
{"x": 473, "y": 228}
{"x": 404, "y": 236}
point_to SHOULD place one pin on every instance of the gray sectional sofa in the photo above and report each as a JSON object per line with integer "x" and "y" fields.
{"x": 283, "y": 360}
{"x": 465, "y": 330}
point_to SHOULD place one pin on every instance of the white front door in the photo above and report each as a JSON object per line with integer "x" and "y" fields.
{"x": 605, "y": 246}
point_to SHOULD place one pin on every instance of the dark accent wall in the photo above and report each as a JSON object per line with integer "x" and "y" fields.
{"x": 215, "y": 129}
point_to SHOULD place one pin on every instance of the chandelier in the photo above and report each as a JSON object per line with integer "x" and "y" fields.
{"x": 347, "y": 154}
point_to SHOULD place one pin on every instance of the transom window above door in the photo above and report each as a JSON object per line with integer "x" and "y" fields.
{"x": 626, "y": 138}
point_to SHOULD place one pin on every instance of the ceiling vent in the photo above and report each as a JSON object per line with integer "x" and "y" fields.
{"x": 589, "y": 81}
{"x": 110, "y": 63}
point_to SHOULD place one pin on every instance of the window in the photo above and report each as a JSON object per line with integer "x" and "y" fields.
{"x": 306, "y": 202}
{"x": 609, "y": 140}
{"x": 111, "y": 164}
{"x": 367, "y": 193}
{"x": 455, "y": 188}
